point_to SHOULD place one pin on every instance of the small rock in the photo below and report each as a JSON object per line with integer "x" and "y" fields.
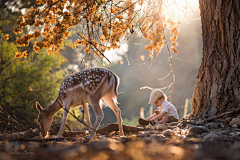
{"x": 182, "y": 124}
{"x": 177, "y": 130}
{"x": 219, "y": 120}
{"x": 182, "y": 137}
{"x": 184, "y": 131}
{"x": 190, "y": 125}
{"x": 189, "y": 116}
{"x": 157, "y": 137}
{"x": 235, "y": 121}
{"x": 144, "y": 134}
{"x": 204, "y": 134}
{"x": 231, "y": 134}
{"x": 199, "y": 122}
{"x": 173, "y": 123}
{"x": 199, "y": 136}
{"x": 217, "y": 133}
{"x": 146, "y": 139}
{"x": 102, "y": 137}
{"x": 191, "y": 134}
{"x": 236, "y": 135}
{"x": 222, "y": 125}
{"x": 151, "y": 127}
{"x": 198, "y": 129}
{"x": 191, "y": 121}
{"x": 234, "y": 126}
{"x": 228, "y": 119}
{"x": 171, "y": 127}
{"x": 123, "y": 138}
{"x": 237, "y": 129}
{"x": 168, "y": 132}
{"x": 161, "y": 127}
{"x": 152, "y": 132}
{"x": 213, "y": 125}
{"x": 211, "y": 137}
{"x": 224, "y": 133}
{"x": 155, "y": 132}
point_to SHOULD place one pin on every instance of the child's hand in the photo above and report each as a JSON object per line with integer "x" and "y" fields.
{"x": 157, "y": 111}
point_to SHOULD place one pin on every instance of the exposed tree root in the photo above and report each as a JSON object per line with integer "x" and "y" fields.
{"x": 114, "y": 127}
{"x": 223, "y": 114}
{"x": 105, "y": 130}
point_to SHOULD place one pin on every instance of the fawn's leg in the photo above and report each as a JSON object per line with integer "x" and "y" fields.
{"x": 86, "y": 113}
{"x": 64, "y": 118}
{"x": 99, "y": 115}
{"x": 111, "y": 103}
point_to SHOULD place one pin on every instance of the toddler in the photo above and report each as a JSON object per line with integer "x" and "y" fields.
{"x": 166, "y": 112}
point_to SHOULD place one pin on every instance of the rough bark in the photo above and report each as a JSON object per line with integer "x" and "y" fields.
{"x": 217, "y": 88}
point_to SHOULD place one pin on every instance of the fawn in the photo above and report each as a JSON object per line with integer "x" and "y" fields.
{"x": 90, "y": 86}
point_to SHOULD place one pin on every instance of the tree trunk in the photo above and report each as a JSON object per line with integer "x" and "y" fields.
{"x": 218, "y": 80}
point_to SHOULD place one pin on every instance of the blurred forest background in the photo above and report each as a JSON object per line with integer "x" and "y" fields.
{"x": 22, "y": 79}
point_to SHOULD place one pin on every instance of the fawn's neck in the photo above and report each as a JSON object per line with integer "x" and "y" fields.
{"x": 54, "y": 108}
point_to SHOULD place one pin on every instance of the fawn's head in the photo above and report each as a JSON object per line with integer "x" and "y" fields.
{"x": 44, "y": 119}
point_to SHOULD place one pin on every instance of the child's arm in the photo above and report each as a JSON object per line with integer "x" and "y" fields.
{"x": 151, "y": 117}
{"x": 156, "y": 112}
{"x": 162, "y": 114}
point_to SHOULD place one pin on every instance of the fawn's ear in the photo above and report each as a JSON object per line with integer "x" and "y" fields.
{"x": 39, "y": 107}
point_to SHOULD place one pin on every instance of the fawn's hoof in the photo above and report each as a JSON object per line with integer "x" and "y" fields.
{"x": 59, "y": 136}
{"x": 121, "y": 134}
{"x": 87, "y": 140}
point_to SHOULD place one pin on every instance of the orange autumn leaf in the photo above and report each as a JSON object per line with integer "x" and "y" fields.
{"x": 174, "y": 50}
{"x": 87, "y": 50}
{"x": 24, "y": 54}
{"x": 142, "y": 57}
{"x": 174, "y": 44}
{"x": 86, "y": 64}
{"x": 18, "y": 54}
{"x": 151, "y": 55}
{"x": 38, "y": 2}
{"x": 6, "y": 37}
{"x": 72, "y": 46}
{"x": 49, "y": 51}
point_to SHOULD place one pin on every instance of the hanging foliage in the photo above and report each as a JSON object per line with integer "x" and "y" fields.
{"x": 100, "y": 24}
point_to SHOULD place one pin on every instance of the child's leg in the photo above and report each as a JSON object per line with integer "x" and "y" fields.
{"x": 164, "y": 120}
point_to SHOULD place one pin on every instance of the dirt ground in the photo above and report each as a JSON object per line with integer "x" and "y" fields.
{"x": 188, "y": 139}
{"x": 113, "y": 148}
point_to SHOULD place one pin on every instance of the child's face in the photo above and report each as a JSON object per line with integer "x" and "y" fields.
{"x": 158, "y": 102}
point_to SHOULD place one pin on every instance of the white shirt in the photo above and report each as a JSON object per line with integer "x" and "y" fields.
{"x": 169, "y": 108}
